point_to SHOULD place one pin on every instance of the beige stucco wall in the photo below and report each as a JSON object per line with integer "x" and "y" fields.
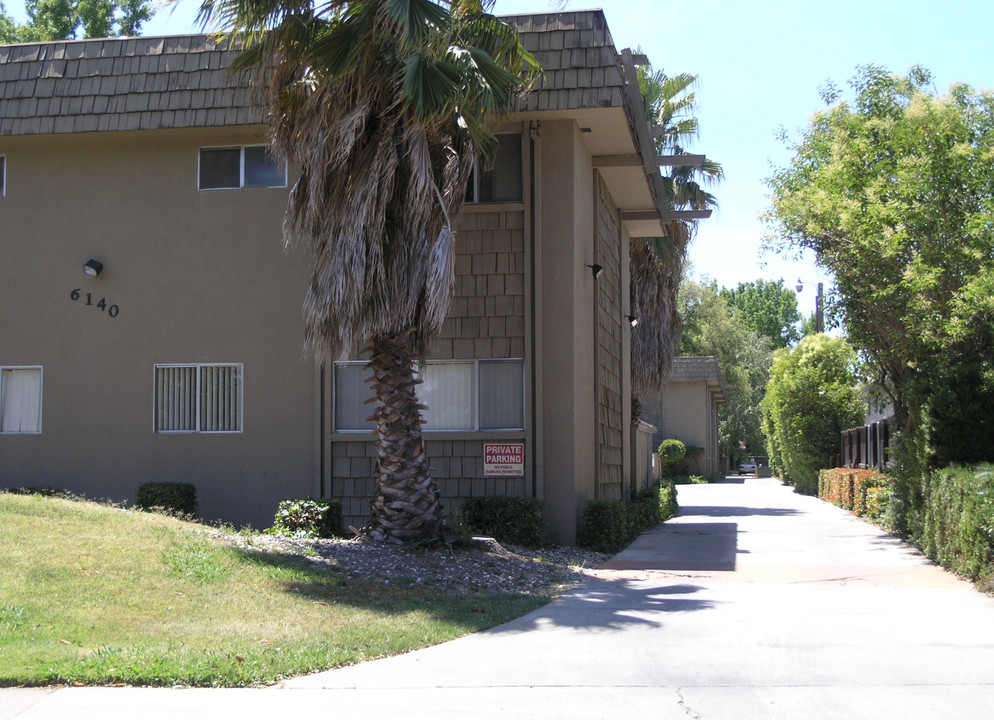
{"x": 686, "y": 411}
{"x": 197, "y": 276}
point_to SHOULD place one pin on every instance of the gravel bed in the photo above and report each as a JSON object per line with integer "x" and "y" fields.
{"x": 485, "y": 566}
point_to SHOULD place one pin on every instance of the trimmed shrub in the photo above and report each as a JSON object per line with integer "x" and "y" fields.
{"x": 611, "y": 525}
{"x": 515, "y": 520}
{"x": 308, "y": 517}
{"x": 959, "y": 521}
{"x": 690, "y": 480}
{"x": 849, "y": 489}
{"x": 668, "y": 506}
{"x": 671, "y": 451}
{"x": 604, "y": 526}
{"x": 179, "y": 498}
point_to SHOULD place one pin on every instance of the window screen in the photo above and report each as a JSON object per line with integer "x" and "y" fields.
{"x": 220, "y": 168}
{"x": 502, "y": 395}
{"x": 262, "y": 170}
{"x": 503, "y": 181}
{"x": 447, "y": 390}
{"x": 351, "y": 393}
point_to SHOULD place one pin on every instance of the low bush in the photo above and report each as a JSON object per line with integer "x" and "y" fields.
{"x": 959, "y": 521}
{"x": 671, "y": 451}
{"x": 668, "y": 506}
{"x": 43, "y": 491}
{"x": 178, "y": 498}
{"x": 604, "y": 527}
{"x": 689, "y": 480}
{"x": 308, "y": 517}
{"x": 610, "y": 525}
{"x": 850, "y": 489}
{"x": 516, "y": 520}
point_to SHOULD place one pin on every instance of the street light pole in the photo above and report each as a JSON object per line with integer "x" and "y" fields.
{"x": 820, "y": 310}
{"x": 819, "y": 305}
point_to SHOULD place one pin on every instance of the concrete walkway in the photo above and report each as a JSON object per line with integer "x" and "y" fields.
{"x": 753, "y": 603}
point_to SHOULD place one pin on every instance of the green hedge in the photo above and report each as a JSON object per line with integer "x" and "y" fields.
{"x": 855, "y": 490}
{"x": 611, "y": 525}
{"x": 179, "y": 498}
{"x": 308, "y": 517}
{"x": 516, "y": 520}
{"x": 959, "y": 522}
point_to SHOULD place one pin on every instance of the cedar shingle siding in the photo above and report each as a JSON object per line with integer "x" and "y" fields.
{"x": 180, "y": 82}
{"x": 121, "y": 84}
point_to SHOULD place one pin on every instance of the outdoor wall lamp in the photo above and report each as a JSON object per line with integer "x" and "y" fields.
{"x": 596, "y": 269}
{"x": 633, "y": 321}
{"x": 93, "y": 267}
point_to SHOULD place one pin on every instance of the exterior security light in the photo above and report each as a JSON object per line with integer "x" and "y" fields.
{"x": 93, "y": 267}
{"x": 632, "y": 320}
{"x": 596, "y": 269}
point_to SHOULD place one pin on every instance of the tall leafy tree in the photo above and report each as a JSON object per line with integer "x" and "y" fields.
{"x": 383, "y": 106}
{"x": 657, "y": 263}
{"x": 892, "y": 188}
{"x": 768, "y": 308}
{"x": 68, "y": 19}
{"x": 811, "y": 397}
{"x": 711, "y": 328}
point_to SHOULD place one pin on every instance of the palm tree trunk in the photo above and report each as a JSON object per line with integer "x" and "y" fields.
{"x": 407, "y": 504}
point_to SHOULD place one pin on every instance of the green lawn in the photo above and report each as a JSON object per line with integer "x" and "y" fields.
{"x": 97, "y": 595}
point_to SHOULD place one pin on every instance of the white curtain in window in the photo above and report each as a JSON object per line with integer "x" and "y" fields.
{"x": 20, "y": 400}
{"x": 502, "y": 395}
{"x": 351, "y": 393}
{"x": 447, "y": 390}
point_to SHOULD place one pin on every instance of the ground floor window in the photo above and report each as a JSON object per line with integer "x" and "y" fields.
{"x": 205, "y": 398}
{"x": 461, "y": 395}
{"x": 20, "y": 400}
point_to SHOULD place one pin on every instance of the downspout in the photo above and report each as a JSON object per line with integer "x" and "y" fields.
{"x": 534, "y": 331}
{"x": 596, "y": 335}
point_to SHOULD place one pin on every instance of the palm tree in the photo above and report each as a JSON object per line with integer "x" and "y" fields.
{"x": 383, "y": 106}
{"x": 657, "y": 263}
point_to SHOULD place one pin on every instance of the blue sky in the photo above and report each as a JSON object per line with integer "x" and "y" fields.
{"x": 760, "y": 64}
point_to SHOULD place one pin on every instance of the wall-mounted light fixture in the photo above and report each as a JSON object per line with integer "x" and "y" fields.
{"x": 596, "y": 269}
{"x": 93, "y": 267}
{"x": 632, "y": 320}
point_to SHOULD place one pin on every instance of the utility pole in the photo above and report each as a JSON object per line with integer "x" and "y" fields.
{"x": 819, "y": 304}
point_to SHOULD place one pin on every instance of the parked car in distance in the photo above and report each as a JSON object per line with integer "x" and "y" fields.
{"x": 747, "y": 467}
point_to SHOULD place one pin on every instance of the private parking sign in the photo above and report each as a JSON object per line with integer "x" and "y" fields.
{"x": 504, "y": 459}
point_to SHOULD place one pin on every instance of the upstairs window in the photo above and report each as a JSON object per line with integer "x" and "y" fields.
{"x": 20, "y": 400}
{"x": 230, "y": 168}
{"x": 501, "y": 183}
{"x": 198, "y": 398}
{"x": 3, "y": 176}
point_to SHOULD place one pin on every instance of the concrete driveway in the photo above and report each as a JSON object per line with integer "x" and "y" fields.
{"x": 753, "y": 603}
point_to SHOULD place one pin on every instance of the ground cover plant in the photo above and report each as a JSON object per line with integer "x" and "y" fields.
{"x": 95, "y": 594}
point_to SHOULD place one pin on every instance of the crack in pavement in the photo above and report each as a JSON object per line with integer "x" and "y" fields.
{"x": 682, "y": 703}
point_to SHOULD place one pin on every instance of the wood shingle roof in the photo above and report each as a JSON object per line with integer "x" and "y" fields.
{"x": 121, "y": 84}
{"x": 180, "y": 82}
{"x": 694, "y": 369}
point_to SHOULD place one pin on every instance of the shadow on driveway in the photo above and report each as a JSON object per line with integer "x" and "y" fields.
{"x": 724, "y": 511}
{"x": 613, "y": 604}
